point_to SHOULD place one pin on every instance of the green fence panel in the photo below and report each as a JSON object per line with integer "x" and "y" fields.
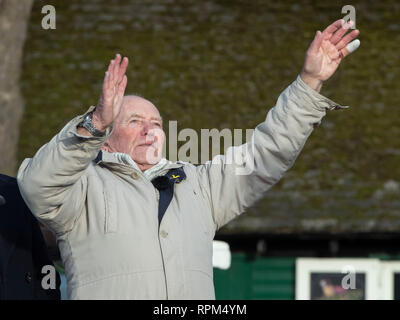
{"x": 253, "y": 277}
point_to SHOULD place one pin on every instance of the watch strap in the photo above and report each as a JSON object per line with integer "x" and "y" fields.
{"x": 89, "y": 126}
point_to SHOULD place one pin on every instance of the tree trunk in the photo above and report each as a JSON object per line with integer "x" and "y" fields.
{"x": 14, "y": 17}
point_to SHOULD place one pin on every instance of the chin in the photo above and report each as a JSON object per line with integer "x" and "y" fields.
{"x": 145, "y": 159}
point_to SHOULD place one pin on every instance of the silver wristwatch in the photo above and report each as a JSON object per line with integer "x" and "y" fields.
{"x": 88, "y": 125}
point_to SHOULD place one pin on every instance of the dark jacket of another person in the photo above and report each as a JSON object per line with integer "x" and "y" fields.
{"x": 23, "y": 251}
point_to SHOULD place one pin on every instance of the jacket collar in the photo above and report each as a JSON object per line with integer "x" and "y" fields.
{"x": 111, "y": 161}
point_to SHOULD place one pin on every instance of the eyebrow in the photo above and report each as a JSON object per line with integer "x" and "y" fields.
{"x": 137, "y": 115}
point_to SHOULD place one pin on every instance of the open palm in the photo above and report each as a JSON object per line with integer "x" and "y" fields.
{"x": 112, "y": 93}
{"x": 328, "y": 50}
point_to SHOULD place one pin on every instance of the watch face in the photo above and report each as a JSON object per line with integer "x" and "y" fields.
{"x": 87, "y": 120}
{"x": 86, "y": 123}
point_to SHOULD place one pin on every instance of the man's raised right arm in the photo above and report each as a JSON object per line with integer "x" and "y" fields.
{"x": 53, "y": 183}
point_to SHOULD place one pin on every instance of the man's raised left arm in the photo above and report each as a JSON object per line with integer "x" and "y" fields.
{"x": 234, "y": 182}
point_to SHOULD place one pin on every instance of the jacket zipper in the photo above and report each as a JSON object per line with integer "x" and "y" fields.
{"x": 163, "y": 263}
{"x": 159, "y": 242}
{"x": 157, "y": 195}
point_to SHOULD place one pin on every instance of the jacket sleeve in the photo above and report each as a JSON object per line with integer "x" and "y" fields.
{"x": 53, "y": 183}
{"x": 234, "y": 182}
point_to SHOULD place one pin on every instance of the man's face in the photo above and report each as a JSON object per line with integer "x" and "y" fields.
{"x": 138, "y": 132}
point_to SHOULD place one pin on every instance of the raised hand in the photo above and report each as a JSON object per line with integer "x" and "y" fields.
{"x": 327, "y": 51}
{"x": 112, "y": 93}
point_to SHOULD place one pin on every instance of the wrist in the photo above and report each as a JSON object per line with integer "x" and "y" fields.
{"x": 83, "y": 131}
{"x": 98, "y": 124}
{"x": 312, "y": 82}
{"x": 87, "y": 126}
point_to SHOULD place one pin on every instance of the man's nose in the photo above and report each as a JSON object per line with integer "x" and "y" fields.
{"x": 149, "y": 130}
{"x": 146, "y": 129}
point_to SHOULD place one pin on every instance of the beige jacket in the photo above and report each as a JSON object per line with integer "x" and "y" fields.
{"x": 104, "y": 213}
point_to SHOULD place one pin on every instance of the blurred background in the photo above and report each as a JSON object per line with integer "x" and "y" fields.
{"x": 222, "y": 64}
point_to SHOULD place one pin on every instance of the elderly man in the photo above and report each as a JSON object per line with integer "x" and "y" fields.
{"x": 131, "y": 225}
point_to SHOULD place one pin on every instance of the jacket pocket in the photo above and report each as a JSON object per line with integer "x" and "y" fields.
{"x": 202, "y": 210}
{"x": 111, "y": 214}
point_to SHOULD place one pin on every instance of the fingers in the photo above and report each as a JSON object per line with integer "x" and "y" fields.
{"x": 122, "y": 86}
{"x": 316, "y": 44}
{"x": 330, "y": 30}
{"x": 337, "y": 36}
{"x": 114, "y": 77}
{"x": 113, "y": 68}
{"x": 116, "y": 67}
{"x": 110, "y": 71}
{"x": 122, "y": 70}
{"x": 116, "y": 70}
{"x": 106, "y": 82}
{"x": 349, "y": 37}
{"x": 121, "y": 90}
{"x": 339, "y": 44}
{"x": 351, "y": 47}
